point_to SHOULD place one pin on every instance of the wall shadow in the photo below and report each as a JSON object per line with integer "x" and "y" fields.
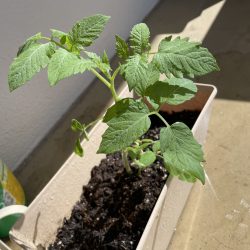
{"x": 172, "y": 16}
{"x": 229, "y": 40}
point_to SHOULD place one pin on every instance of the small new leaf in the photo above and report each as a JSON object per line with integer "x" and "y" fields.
{"x": 139, "y": 38}
{"x": 117, "y": 109}
{"x": 156, "y": 147}
{"x": 173, "y": 91}
{"x": 88, "y": 29}
{"x": 182, "y": 57}
{"x": 78, "y": 148}
{"x": 29, "y": 42}
{"x": 66, "y": 40}
{"x": 99, "y": 63}
{"x": 57, "y": 33}
{"x": 122, "y": 49}
{"x": 64, "y": 64}
{"x": 63, "y": 40}
{"x": 76, "y": 126}
{"x": 133, "y": 152}
{"x": 105, "y": 58}
{"x": 182, "y": 153}
{"x": 124, "y": 129}
{"x": 147, "y": 158}
{"x": 28, "y": 63}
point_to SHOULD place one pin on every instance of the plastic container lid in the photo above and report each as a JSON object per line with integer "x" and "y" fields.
{"x": 8, "y": 217}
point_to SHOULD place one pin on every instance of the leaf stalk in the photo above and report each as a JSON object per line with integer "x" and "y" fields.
{"x": 55, "y": 42}
{"x": 101, "y": 78}
{"x": 93, "y": 122}
{"x": 160, "y": 116}
{"x": 125, "y": 161}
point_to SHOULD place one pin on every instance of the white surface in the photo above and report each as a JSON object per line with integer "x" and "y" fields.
{"x": 3, "y": 246}
{"x": 27, "y": 114}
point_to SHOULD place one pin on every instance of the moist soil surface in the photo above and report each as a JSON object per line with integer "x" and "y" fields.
{"x": 114, "y": 207}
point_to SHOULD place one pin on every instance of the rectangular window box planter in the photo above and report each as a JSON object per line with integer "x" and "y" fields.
{"x": 37, "y": 229}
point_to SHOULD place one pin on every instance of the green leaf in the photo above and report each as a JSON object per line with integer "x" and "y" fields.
{"x": 122, "y": 49}
{"x": 173, "y": 91}
{"x": 139, "y": 38}
{"x": 64, "y": 64}
{"x": 182, "y": 153}
{"x": 151, "y": 75}
{"x": 88, "y": 29}
{"x": 124, "y": 129}
{"x": 57, "y": 34}
{"x": 62, "y": 36}
{"x": 76, "y": 126}
{"x": 139, "y": 74}
{"x": 180, "y": 56}
{"x": 78, "y": 148}
{"x": 135, "y": 70}
{"x": 133, "y": 152}
{"x": 29, "y": 43}
{"x": 156, "y": 146}
{"x": 117, "y": 109}
{"x": 28, "y": 63}
{"x": 147, "y": 158}
{"x": 66, "y": 39}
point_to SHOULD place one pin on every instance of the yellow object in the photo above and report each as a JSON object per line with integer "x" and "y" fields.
{"x": 11, "y": 192}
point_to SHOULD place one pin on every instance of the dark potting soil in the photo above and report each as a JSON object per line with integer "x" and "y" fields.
{"x": 114, "y": 207}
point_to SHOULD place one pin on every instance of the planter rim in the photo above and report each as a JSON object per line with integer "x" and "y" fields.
{"x": 209, "y": 100}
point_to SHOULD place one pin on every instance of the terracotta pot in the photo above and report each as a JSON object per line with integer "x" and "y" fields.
{"x": 45, "y": 214}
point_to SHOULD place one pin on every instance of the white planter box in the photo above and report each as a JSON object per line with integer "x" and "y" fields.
{"x": 45, "y": 214}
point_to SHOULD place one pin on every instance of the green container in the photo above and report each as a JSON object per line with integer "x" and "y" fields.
{"x": 8, "y": 217}
{"x": 11, "y": 193}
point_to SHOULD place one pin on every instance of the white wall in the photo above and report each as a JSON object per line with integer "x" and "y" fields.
{"x": 27, "y": 114}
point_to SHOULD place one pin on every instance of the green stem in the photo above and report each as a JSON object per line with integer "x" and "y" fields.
{"x": 115, "y": 73}
{"x": 85, "y": 133}
{"x": 160, "y": 156}
{"x": 161, "y": 117}
{"x": 101, "y": 78}
{"x": 112, "y": 87}
{"x": 113, "y": 92}
{"x": 125, "y": 161}
{"x": 147, "y": 140}
{"x": 94, "y": 122}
